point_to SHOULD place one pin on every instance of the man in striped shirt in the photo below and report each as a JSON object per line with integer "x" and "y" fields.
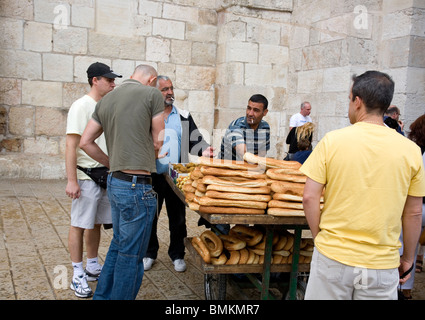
{"x": 249, "y": 133}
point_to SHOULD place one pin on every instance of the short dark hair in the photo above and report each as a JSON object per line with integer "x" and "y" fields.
{"x": 90, "y": 80}
{"x": 376, "y": 89}
{"x": 259, "y": 98}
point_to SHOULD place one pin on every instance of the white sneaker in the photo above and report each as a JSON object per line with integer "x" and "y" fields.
{"x": 80, "y": 286}
{"x": 93, "y": 274}
{"x": 179, "y": 265}
{"x": 147, "y": 263}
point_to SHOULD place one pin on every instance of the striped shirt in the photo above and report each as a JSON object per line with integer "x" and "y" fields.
{"x": 239, "y": 132}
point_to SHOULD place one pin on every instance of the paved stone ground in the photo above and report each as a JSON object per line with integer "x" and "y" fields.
{"x": 34, "y": 256}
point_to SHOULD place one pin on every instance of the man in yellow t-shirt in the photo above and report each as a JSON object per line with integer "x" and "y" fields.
{"x": 374, "y": 183}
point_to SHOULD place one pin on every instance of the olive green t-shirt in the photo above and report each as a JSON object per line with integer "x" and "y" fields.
{"x": 125, "y": 115}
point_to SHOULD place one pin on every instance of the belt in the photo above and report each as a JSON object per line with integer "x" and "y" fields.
{"x": 142, "y": 179}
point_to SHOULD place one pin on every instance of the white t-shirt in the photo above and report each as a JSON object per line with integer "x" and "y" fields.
{"x": 298, "y": 120}
{"x": 78, "y": 116}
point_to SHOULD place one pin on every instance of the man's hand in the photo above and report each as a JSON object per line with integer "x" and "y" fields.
{"x": 208, "y": 152}
{"x": 73, "y": 190}
{"x": 404, "y": 267}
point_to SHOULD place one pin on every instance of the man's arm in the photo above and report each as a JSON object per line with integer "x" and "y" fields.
{"x": 87, "y": 142}
{"x": 157, "y": 131}
{"x": 311, "y": 202}
{"x": 72, "y": 188}
{"x": 411, "y": 222}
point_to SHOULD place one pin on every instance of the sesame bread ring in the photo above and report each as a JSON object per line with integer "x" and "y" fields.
{"x": 250, "y": 235}
{"x": 232, "y": 242}
{"x": 244, "y": 256}
{"x": 234, "y": 257}
{"x": 201, "y": 248}
{"x": 222, "y": 259}
{"x": 213, "y": 243}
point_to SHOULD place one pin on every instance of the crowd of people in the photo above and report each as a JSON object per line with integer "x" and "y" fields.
{"x": 371, "y": 175}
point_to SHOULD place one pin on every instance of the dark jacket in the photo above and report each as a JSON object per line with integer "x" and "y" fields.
{"x": 192, "y": 141}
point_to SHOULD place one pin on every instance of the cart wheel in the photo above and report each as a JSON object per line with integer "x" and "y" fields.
{"x": 215, "y": 286}
{"x": 300, "y": 293}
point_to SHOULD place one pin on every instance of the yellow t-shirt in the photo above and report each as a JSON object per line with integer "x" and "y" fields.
{"x": 368, "y": 171}
{"x": 79, "y": 115}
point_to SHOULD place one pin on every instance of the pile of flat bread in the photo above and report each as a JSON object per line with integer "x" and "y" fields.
{"x": 257, "y": 185}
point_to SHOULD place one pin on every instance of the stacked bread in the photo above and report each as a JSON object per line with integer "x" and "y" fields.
{"x": 232, "y": 187}
{"x": 246, "y": 245}
{"x": 251, "y": 186}
{"x": 286, "y": 182}
{"x": 193, "y": 189}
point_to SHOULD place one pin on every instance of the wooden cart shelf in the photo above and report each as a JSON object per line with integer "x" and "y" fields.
{"x": 238, "y": 268}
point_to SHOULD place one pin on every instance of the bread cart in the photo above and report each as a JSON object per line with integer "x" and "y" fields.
{"x": 215, "y": 276}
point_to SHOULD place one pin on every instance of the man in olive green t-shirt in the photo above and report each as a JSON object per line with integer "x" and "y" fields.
{"x": 131, "y": 117}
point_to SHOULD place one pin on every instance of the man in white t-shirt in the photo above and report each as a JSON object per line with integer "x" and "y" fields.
{"x": 90, "y": 205}
{"x": 302, "y": 117}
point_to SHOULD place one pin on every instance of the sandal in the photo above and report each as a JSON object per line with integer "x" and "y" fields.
{"x": 419, "y": 264}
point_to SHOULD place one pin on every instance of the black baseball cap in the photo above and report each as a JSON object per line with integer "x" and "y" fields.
{"x": 99, "y": 69}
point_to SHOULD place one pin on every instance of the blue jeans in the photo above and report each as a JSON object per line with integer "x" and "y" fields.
{"x": 133, "y": 207}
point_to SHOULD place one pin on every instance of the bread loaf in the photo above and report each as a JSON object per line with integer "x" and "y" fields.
{"x": 206, "y": 201}
{"x": 283, "y": 212}
{"x": 258, "y": 190}
{"x": 229, "y": 210}
{"x": 223, "y": 163}
{"x": 277, "y": 174}
{"x": 270, "y": 162}
{"x": 285, "y": 204}
{"x": 288, "y": 187}
{"x": 238, "y": 196}
{"x": 230, "y": 173}
{"x": 227, "y": 182}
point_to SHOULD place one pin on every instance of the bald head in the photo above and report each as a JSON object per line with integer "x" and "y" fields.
{"x": 145, "y": 74}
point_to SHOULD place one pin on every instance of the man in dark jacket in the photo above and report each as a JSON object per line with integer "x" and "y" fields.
{"x": 181, "y": 138}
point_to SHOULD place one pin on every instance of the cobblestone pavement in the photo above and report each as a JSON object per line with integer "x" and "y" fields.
{"x": 34, "y": 256}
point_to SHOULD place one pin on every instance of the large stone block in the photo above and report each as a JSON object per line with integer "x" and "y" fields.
{"x": 11, "y": 35}
{"x": 116, "y": 18}
{"x": 22, "y": 9}
{"x": 21, "y": 121}
{"x": 168, "y": 29}
{"x": 103, "y": 45}
{"x": 45, "y": 117}
{"x": 336, "y": 79}
{"x": 177, "y": 12}
{"x": 237, "y": 51}
{"x": 41, "y": 145}
{"x": 273, "y": 54}
{"x": 310, "y": 81}
{"x": 20, "y": 64}
{"x": 10, "y": 91}
{"x": 181, "y": 52}
{"x": 158, "y": 49}
{"x": 58, "y": 67}
{"x": 71, "y": 40}
{"x": 83, "y": 16}
{"x": 194, "y": 77}
{"x": 41, "y": 93}
{"x": 204, "y": 53}
{"x": 37, "y": 36}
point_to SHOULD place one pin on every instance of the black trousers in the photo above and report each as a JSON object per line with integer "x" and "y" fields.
{"x": 176, "y": 211}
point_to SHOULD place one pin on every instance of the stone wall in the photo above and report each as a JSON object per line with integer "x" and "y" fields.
{"x": 218, "y": 53}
